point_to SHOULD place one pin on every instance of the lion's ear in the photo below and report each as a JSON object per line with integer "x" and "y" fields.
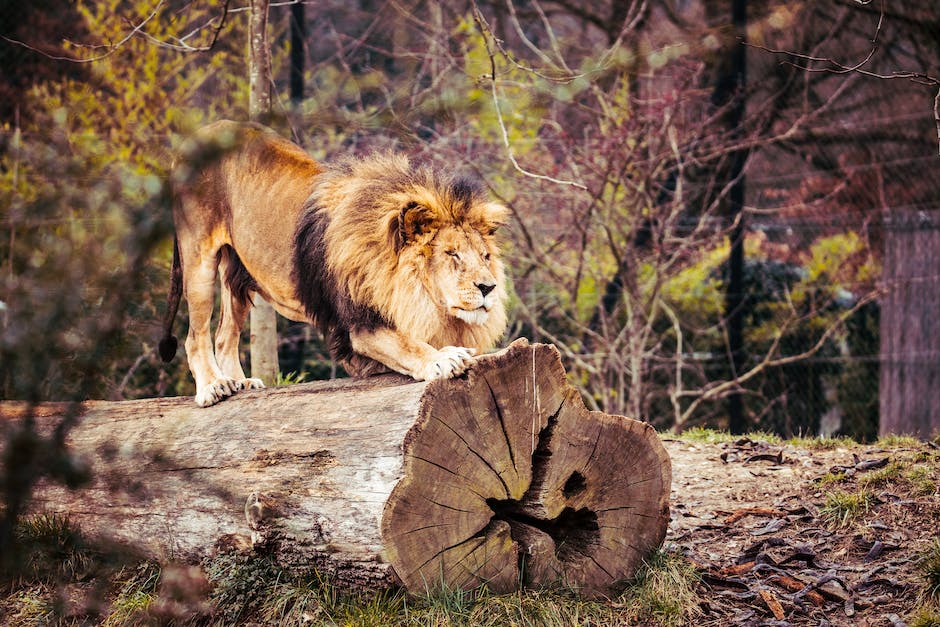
{"x": 414, "y": 220}
{"x": 494, "y": 215}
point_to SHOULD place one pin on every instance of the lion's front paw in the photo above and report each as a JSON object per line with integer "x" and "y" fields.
{"x": 450, "y": 361}
{"x": 214, "y": 392}
{"x": 250, "y": 384}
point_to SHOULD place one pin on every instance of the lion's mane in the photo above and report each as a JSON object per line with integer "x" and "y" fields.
{"x": 352, "y": 268}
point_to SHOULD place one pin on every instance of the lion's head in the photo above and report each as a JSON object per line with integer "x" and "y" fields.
{"x": 418, "y": 246}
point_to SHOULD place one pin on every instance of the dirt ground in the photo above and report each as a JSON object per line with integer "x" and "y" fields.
{"x": 762, "y": 523}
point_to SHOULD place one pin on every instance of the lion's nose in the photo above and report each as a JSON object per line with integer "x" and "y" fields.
{"x": 486, "y": 288}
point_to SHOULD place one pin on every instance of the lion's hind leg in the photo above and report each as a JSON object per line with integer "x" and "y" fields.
{"x": 199, "y": 276}
{"x": 236, "y": 303}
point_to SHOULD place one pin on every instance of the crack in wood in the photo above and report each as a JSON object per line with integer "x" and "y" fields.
{"x": 502, "y": 422}
{"x": 508, "y": 492}
{"x": 466, "y": 479}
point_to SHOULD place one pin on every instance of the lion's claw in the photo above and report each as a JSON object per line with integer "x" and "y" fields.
{"x": 250, "y": 384}
{"x": 214, "y": 392}
{"x": 450, "y": 361}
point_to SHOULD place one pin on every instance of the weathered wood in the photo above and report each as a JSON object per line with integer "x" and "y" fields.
{"x": 909, "y": 394}
{"x": 500, "y": 477}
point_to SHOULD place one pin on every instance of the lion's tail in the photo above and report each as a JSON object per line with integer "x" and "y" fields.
{"x": 169, "y": 343}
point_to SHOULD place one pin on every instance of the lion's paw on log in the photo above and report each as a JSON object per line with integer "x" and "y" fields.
{"x": 501, "y": 477}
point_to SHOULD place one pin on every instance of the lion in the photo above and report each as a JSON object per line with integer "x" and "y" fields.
{"x": 396, "y": 264}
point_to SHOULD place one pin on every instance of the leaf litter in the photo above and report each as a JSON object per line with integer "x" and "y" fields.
{"x": 750, "y": 515}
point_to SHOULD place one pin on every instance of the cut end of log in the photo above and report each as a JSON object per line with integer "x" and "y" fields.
{"x": 509, "y": 480}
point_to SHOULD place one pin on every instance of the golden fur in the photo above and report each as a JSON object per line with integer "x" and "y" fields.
{"x": 396, "y": 264}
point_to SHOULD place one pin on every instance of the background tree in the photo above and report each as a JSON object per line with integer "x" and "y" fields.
{"x": 263, "y": 319}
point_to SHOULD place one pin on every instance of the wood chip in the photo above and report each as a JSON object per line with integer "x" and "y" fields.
{"x": 795, "y": 585}
{"x": 735, "y": 569}
{"x": 772, "y": 604}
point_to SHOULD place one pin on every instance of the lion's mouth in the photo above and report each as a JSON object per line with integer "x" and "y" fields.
{"x": 472, "y": 316}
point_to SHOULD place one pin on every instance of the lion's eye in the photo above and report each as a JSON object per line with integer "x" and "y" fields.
{"x": 453, "y": 253}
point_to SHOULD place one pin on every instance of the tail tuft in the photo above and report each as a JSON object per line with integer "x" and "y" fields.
{"x": 167, "y": 348}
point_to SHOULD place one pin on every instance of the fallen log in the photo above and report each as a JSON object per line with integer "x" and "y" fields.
{"x": 501, "y": 477}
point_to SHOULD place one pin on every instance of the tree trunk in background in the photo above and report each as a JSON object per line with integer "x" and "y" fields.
{"x": 909, "y": 393}
{"x": 731, "y": 91}
{"x": 499, "y": 477}
{"x": 263, "y": 320}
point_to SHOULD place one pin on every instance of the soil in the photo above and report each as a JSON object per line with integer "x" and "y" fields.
{"x": 753, "y": 517}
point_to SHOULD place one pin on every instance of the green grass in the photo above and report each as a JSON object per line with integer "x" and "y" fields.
{"x": 137, "y": 592}
{"x": 843, "y": 508}
{"x": 289, "y": 378}
{"x": 898, "y": 441}
{"x": 30, "y": 605}
{"x": 822, "y": 443}
{"x": 705, "y": 435}
{"x": 925, "y": 616}
{"x": 904, "y": 473}
{"x": 921, "y": 480}
{"x": 831, "y": 478}
{"x": 927, "y": 613}
{"x": 663, "y": 591}
{"x": 251, "y": 588}
{"x": 242, "y": 588}
{"x": 52, "y": 549}
{"x": 929, "y": 568}
{"x": 882, "y": 477}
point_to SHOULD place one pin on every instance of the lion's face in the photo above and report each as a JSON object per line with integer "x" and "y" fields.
{"x": 464, "y": 273}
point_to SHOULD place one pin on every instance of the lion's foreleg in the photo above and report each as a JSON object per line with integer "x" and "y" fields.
{"x": 406, "y": 355}
{"x": 212, "y": 385}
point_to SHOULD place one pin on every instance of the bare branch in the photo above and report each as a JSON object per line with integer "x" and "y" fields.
{"x": 111, "y": 49}
{"x": 499, "y": 115}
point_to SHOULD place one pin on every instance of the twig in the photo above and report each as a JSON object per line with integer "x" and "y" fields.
{"x": 499, "y": 115}
{"x": 112, "y": 49}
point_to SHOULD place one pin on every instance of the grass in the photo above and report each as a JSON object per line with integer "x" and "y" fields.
{"x": 705, "y": 435}
{"x": 821, "y": 443}
{"x": 831, "y": 478}
{"x": 904, "y": 473}
{"x": 245, "y": 588}
{"x": 882, "y": 477}
{"x": 929, "y": 568}
{"x": 842, "y": 508}
{"x": 925, "y": 616}
{"x": 927, "y": 613}
{"x": 289, "y": 378}
{"x": 136, "y": 594}
{"x": 663, "y": 591}
{"x": 31, "y": 605}
{"x": 898, "y": 441}
{"x": 52, "y": 549}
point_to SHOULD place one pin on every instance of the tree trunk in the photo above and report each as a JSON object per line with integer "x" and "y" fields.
{"x": 263, "y": 318}
{"x": 499, "y": 477}
{"x": 909, "y": 393}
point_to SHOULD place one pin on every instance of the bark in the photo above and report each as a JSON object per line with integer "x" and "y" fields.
{"x": 501, "y": 477}
{"x": 263, "y": 318}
